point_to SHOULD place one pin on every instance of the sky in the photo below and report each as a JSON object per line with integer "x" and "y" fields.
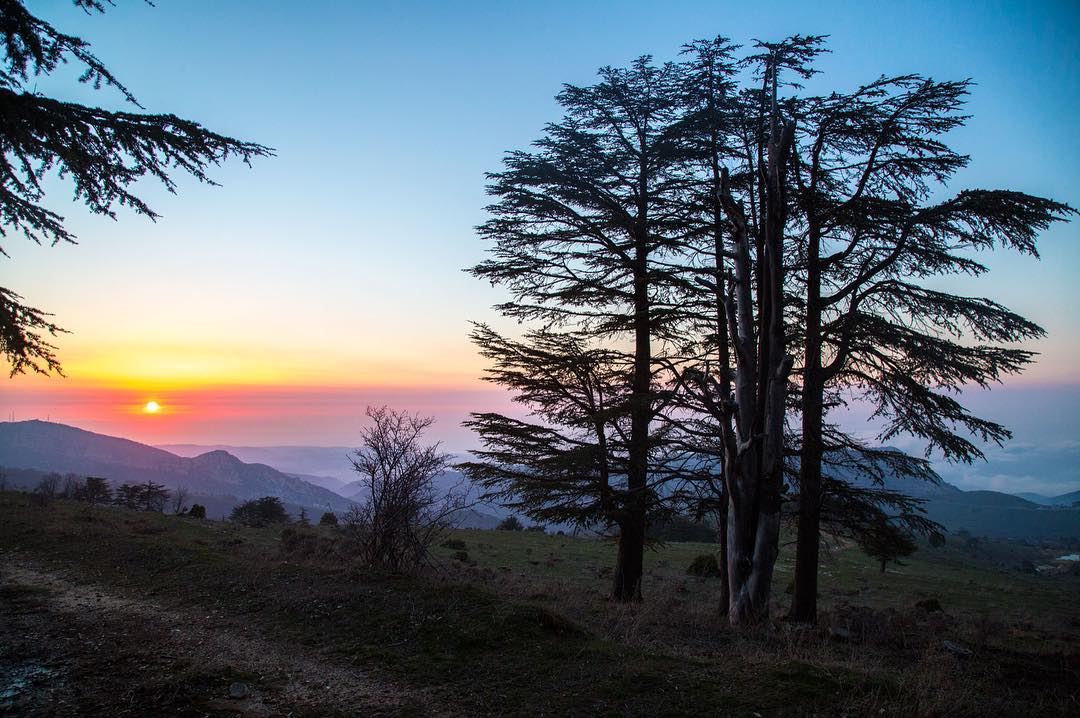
{"x": 272, "y": 309}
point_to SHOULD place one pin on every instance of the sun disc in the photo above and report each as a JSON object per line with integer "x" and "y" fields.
{"x": 152, "y": 407}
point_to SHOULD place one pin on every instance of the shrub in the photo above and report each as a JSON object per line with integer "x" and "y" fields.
{"x": 537, "y": 528}
{"x": 704, "y": 566}
{"x": 197, "y": 511}
{"x": 510, "y": 523}
{"x": 456, "y": 544}
{"x": 328, "y": 519}
{"x": 462, "y": 556}
{"x": 260, "y": 512}
{"x": 683, "y": 528}
{"x": 405, "y": 511}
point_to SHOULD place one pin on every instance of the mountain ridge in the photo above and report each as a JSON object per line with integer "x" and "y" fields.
{"x": 49, "y": 446}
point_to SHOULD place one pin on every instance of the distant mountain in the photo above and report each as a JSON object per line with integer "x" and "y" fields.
{"x": 47, "y": 446}
{"x": 473, "y": 519}
{"x": 326, "y": 466}
{"x": 1062, "y": 500}
{"x": 983, "y": 513}
{"x": 478, "y": 516}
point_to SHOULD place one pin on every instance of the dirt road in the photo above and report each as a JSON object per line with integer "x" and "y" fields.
{"x": 69, "y": 648}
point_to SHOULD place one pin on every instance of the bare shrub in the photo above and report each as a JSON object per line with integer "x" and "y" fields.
{"x": 404, "y": 511}
{"x": 73, "y": 487}
{"x": 179, "y": 499}
{"x": 46, "y": 489}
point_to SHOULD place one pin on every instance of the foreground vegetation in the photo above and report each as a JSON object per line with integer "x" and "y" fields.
{"x": 517, "y": 624}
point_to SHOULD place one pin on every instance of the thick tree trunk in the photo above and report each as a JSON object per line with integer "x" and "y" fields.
{"x": 628, "y": 569}
{"x": 629, "y": 565}
{"x": 722, "y": 533}
{"x": 742, "y": 531}
{"x": 804, "y": 601}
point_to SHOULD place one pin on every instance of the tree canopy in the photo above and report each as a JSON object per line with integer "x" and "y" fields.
{"x": 102, "y": 153}
{"x": 711, "y": 263}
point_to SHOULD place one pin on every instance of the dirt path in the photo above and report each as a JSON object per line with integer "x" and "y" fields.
{"x": 75, "y": 649}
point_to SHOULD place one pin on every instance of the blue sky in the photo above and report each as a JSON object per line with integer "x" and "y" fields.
{"x": 341, "y": 257}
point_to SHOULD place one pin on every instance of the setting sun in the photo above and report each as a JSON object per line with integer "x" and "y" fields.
{"x": 152, "y": 407}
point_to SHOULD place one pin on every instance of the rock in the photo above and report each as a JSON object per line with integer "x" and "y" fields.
{"x": 930, "y": 605}
{"x": 239, "y": 691}
{"x": 956, "y": 648}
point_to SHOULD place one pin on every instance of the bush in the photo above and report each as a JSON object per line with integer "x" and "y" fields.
{"x": 456, "y": 544}
{"x": 537, "y": 528}
{"x": 328, "y": 519}
{"x": 307, "y": 543}
{"x": 683, "y": 528}
{"x": 405, "y": 510}
{"x": 260, "y": 512}
{"x": 510, "y": 523}
{"x": 462, "y": 556}
{"x": 197, "y": 511}
{"x": 704, "y": 566}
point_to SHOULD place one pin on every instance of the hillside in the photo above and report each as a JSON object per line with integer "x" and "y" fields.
{"x": 47, "y": 446}
{"x": 983, "y": 513}
{"x": 326, "y": 466}
{"x": 169, "y": 613}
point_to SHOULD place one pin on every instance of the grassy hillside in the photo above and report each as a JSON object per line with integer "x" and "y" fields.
{"x": 521, "y": 627}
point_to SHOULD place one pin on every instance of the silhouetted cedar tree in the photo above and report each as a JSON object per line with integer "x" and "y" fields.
{"x": 580, "y": 228}
{"x": 103, "y": 153}
{"x": 96, "y": 490}
{"x": 873, "y": 231}
{"x": 885, "y": 541}
{"x": 260, "y": 512}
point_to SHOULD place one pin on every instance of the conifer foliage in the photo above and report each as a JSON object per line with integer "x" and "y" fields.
{"x": 712, "y": 261}
{"x": 871, "y": 238}
{"x": 581, "y": 230}
{"x": 103, "y": 153}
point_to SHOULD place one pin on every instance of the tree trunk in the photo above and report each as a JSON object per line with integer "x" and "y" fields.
{"x": 628, "y": 567}
{"x": 804, "y": 602}
{"x": 722, "y": 533}
{"x": 740, "y": 559}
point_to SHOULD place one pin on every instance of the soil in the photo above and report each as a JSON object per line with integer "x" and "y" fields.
{"x": 73, "y": 649}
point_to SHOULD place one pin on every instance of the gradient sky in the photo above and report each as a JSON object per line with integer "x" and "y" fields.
{"x": 272, "y": 309}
